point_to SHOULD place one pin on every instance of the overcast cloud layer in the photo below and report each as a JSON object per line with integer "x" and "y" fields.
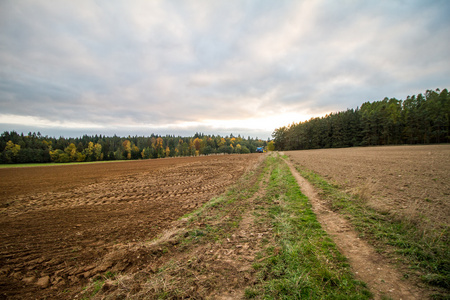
{"x": 218, "y": 67}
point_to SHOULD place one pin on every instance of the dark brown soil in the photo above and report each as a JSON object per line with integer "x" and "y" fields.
{"x": 58, "y": 223}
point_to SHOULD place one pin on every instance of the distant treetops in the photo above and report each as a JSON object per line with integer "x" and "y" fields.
{"x": 35, "y": 148}
{"x": 421, "y": 119}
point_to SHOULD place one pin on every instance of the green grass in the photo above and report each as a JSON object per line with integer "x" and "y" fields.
{"x": 52, "y": 164}
{"x": 427, "y": 253}
{"x": 304, "y": 262}
{"x": 7, "y": 166}
{"x": 97, "y": 285}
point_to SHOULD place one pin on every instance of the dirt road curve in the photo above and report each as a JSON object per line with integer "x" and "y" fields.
{"x": 57, "y": 222}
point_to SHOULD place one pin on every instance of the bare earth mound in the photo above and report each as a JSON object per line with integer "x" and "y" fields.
{"x": 58, "y": 222}
{"x": 411, "y": 181}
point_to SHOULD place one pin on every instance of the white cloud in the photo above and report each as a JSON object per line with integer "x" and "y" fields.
{"x": 44, "y": 123}
{"x": 229, "y": 65}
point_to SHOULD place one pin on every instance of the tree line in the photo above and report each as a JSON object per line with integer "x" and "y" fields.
{"x": 35, "y": 148}
{"x": 419, "y": 119}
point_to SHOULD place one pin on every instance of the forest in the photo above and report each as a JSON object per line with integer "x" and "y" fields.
{"x": 421, "y": 119}
{"x": 35, "y": 148}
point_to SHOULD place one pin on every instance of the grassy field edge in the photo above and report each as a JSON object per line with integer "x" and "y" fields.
{"x": 422, "y": 254}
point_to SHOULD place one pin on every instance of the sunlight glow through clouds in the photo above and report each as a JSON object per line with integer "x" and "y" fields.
{"x": 268, "y": 123}
{"x": 252, "y": 124}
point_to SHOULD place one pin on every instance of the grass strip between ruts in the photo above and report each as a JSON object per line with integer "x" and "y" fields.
{"x": 304, "y": 262}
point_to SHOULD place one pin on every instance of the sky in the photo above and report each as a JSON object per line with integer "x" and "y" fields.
{"x": 69, "y": 68}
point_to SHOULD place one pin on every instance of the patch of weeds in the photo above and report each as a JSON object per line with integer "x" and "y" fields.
{"x": 97, "y": 286}
{"x": 94, "y": 287}
{"x": 427, "y": 252}
{"x": 250, "y": 293}
{"x": 303, "y": 263}
{"x": 196, "y": 233}
{"x": 109, "y": 275}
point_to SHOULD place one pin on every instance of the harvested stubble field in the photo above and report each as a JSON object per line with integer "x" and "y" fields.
{"x": 58, "y": 222}
{"x": 412, "y": 182}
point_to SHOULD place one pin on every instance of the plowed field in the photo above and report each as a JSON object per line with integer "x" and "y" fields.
{"x": 57, "y": 222}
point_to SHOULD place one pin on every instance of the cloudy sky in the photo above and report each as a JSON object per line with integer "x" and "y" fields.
{"x": 217, "y": 67}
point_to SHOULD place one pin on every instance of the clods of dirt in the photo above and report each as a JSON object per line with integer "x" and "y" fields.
{"x": 59, "y": 224}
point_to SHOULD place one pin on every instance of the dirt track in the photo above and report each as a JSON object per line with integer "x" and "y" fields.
{"x": 56, "y": 222}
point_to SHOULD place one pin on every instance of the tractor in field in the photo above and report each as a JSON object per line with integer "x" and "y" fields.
{"x": 260, "y": 149}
